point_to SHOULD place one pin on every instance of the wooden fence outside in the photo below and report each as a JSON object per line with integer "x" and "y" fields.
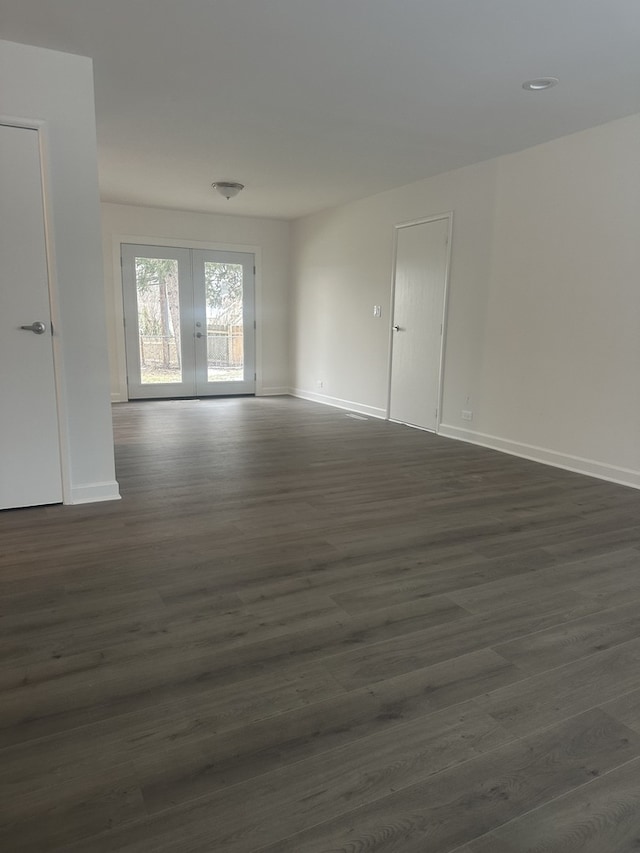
{"x": 225, "y": 348}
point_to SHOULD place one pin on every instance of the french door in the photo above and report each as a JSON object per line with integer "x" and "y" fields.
{"x": 189, "y": 321}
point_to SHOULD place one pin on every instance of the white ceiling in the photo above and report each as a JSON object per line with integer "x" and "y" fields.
{"x": 312, "y": 103}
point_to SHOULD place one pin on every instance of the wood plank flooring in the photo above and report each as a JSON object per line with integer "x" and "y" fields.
{"x": 299, "y": 632}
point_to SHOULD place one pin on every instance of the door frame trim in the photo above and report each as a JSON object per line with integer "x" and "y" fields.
{"x": 42, "y": 129}
{"x": 178, "y": 243}
{"x": 424, "y": 220}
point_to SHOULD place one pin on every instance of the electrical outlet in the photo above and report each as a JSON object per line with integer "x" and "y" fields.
{"x": 320, "y": 384}
{"x": 467, "y": 415}
{"x": 377, "y": 310}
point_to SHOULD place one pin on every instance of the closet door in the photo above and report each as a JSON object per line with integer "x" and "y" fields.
{"x": 418, "y": 322}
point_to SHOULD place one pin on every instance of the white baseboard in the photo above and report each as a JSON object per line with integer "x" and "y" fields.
{"x": 612, "y": 473}
{"x": 90, "y": 493}
{"x": 274, "y": 391}
{"x": 337, "y": 403}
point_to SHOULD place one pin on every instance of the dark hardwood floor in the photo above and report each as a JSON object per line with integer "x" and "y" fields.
{"x": 301, "y": 632}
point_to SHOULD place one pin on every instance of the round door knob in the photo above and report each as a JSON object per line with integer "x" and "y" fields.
{"x": 198, "y": 334}
{"x": 396, "y": 328}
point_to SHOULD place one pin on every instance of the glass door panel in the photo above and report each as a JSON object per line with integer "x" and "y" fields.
{"x": 225, "y": 338}
{"x": 158, "y": 302}
{"x": 224, "y": 294}
{"x": 158, "y": 320}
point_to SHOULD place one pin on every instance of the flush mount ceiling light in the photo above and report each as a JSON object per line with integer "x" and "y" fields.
{"x": 540, "y": 84}
{"x": 228, "y": 189}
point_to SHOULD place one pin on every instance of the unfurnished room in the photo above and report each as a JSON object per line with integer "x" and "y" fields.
{"x": 319, "y": 426}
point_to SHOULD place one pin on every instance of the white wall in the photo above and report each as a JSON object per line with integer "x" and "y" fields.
{"x": 270, "y": 239}
{"x": 342, "y": 266}
{"x": 57, "y": 89}
{"x": 544, "y": 306}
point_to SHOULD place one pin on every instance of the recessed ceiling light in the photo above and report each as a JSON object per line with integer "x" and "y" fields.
{"x": 540, "y": 83}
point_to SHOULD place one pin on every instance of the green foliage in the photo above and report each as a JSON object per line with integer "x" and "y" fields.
{"x": 158, "y": 295}
{"x": 223, "y": 283}
{"x": 223, "y": 291}
{"x": 150, "y": 272}
{"x": 157, "y": 285}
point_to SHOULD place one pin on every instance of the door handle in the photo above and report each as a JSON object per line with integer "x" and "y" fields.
{"x": 396, "y": 328}
{"x": 37, "y": 328}
{"x": 198, "y": 334}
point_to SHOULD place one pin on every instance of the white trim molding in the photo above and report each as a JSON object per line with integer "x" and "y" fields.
{"x": 89, "y": 493}
{"x": 337, "y": 403}
{"x": 578, "y": 464}
{"x": 273, "y": 391}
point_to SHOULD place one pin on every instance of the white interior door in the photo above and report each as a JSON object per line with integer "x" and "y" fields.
{"x": 189, "y": 321}
{"x": 30, "y": 471}
{"x": 418, "y": 322}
